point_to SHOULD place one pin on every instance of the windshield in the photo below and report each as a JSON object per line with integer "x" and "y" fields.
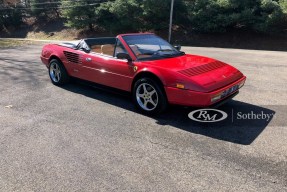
{"x": 150, "y": 46}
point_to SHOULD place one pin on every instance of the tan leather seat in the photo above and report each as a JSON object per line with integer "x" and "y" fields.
{"x": 96, "y": 48}
{"x": 108, "y": 49}
{"x": 135, "y": 50}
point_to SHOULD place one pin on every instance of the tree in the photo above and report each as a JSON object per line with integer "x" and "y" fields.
{"x": 138, "y": 15}
{"x": 80, "y": 14}
{"x": 283, "y": 5}
{"x": 104, "y": 18}
{"x": 45, "y": 9}
{"x": 10, "y": 15}
{"x": 270, "y": 17}
{"x": 156, "y": 13}
{"x": 221, "y": 15}
{"x": 199, "y": 15}
{"x": 126, "y": 14}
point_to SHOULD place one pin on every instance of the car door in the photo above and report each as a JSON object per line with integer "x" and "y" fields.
{"x": 104, "y": 68}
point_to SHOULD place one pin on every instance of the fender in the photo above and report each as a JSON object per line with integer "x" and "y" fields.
{"x": 48, "y": 53}
{"x": 152, "y": 71}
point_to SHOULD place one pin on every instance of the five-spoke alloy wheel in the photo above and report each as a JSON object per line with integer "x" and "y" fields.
{"x": 149, "y": 96}
{"x": 58, "y": 73}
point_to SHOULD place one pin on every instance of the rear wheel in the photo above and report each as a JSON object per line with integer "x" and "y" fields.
{"x": 58, "y": 73}
{"x": 149, "y": 96}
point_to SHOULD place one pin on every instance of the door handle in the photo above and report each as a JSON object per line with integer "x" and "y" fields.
{"x": 88, "y": 59}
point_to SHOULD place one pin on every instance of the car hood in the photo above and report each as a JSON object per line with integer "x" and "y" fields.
{"x": 206, "y": 73}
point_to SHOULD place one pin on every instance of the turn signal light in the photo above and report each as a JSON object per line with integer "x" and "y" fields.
{"x": 180, "y": 86}
{"x": 241, "y": 84}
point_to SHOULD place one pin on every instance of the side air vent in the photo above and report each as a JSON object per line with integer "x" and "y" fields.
{"x": 202, "y": 69}
{"x": 72, "y": 57}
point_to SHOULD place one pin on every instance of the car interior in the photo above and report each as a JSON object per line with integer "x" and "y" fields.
{"x": 106, "y": 49}
{"x": 111, "y": 47}
{"x": 105, "y": 46}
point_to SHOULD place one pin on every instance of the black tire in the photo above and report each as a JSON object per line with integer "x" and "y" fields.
{"x": 57, "y": 73}
{"x": 144, "y": 101}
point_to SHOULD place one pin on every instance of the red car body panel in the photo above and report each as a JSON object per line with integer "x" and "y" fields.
{"x": 202, "y": 77}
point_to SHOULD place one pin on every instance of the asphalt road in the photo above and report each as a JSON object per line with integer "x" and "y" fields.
{"x": 78, "y": 138}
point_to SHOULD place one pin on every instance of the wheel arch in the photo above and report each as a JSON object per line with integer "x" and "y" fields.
{"x": 54, "y": 57}
{"x": 160, "y": 84}
{"x": 58, "y": 59}
{"x": 148, "y": 74}
{"x": 64, "y": 73}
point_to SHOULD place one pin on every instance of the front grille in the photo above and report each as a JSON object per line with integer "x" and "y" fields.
{"x": 202, "y": 69}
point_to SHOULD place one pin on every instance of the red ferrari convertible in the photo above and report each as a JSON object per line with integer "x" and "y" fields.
{"x": 156, "y": 73}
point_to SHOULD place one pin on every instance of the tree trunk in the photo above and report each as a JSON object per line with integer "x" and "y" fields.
{"x": 91, "y": 27}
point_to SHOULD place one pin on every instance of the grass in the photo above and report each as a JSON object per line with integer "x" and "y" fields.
{"x": 7, "y": 43}
{"x": 65, "y": 34}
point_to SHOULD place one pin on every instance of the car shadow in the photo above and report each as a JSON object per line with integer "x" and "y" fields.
{"x": 232, "y": 129}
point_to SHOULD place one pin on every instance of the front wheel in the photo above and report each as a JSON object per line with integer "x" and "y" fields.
{"x": 149, "y": 96}
{"x": 58, "y": 73}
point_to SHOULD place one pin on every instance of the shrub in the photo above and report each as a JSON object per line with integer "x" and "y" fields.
{"x": 10, "y": 17}
{"x": 116, "y": 16}
{"x": 127, "y": 15}
{"x": 269, "y": 18}
{"x": 45, "y": 9}
{"x": 220, "y": 15}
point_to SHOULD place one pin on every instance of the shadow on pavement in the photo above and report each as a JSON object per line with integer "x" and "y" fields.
{"x": 234, "y": 129}
{"x": 231, "y": 129}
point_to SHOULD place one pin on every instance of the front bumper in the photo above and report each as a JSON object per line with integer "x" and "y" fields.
{"x": 200, "y": 99}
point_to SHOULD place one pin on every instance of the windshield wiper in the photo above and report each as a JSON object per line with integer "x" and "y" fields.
{"x": 176, "y": 53}
{"x": 163, "y": 50}
{"x": 181, "y": 53}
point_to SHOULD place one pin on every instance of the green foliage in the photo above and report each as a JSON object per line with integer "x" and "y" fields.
{"x": 151, "y": 10}
{"x": 126, "y": 15}
{"x": 283, "y": 5}
{"x": 220, "y": 15}
{"x": 206, "y": 16}
{"x": 9, "y": 16}
{"x": 156, "y": 13}
{"x": 266, "y": 16}
{"x": 270, "y": 17}
{"x": 44, "y": 9}
{"x": 80, "y": 14}
{"x": 104, "y": 17}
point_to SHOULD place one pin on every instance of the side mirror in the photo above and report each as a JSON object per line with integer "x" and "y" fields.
{"x": 124, "y": 56}
{"x": 177, "y": 47}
